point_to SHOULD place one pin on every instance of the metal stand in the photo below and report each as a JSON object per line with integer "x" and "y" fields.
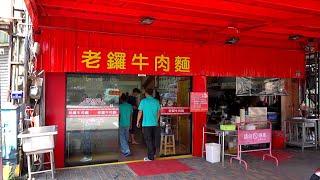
{"x": 297, "y": 132}
{"x": 221, "y": 135}
{"x": 29, "y": 155}
{"x": 250, "y": 137}
{"x": 312, "y": 86}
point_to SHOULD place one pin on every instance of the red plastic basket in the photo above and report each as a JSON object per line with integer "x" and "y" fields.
{"x": 278, "y": 140}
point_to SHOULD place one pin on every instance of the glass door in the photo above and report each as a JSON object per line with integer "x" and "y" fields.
{"x": 175, "y": 112}
{"x": 92, "y": 116}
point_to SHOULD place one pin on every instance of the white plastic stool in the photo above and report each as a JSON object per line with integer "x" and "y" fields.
{"x": 41, "y": 152}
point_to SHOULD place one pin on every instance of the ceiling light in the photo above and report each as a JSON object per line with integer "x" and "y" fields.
{"x": 234, "y": 28}
{"x": 232, "y": 40}
{"x": 294, "y": 37}
{"x": 146, "y": 20}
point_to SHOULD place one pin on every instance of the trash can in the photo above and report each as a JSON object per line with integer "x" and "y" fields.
{"x": 213, "y": 152}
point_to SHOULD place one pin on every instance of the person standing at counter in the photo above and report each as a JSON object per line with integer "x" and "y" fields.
{"x": 150, "y": 108}
{"x": 134, "y": 101}
{"x": 125, "y": 123}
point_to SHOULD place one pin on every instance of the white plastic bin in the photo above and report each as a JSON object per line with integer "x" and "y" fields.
{"x": 213, "y": 152}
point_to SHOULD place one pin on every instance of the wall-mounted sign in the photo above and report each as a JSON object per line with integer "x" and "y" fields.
{"x": 175, "y": 111}
{"x": 79, "y": 118}
{"x": 16, "y": 94}
{"x": 92, "y": 112}
{"x": 198, "y": 101}
{"x": 106, "y": 60}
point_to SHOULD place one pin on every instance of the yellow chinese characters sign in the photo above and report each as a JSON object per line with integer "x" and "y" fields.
{"x": 91, "y": 59}
{"x": 182, "y": 64}
{"x": 116, "y": 60}
{"x": 139, "y": 61}
{"x": 162, "y": 62}
{"x": 134, "y": 62}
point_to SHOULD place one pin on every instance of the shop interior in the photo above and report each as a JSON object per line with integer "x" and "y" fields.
{"x": 228, "y": 96}
{"x": 226, "y": 100}
{"x": 91, "y": 140}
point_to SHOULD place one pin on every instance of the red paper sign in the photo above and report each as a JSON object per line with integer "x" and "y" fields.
{"x": 175, "y": 110}
{"x": 198, "y": 101}
{"x": 254, "y": 136}
{"x": 92, "y": 112}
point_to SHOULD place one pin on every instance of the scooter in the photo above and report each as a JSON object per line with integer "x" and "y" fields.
{"x": 316, "y": 175}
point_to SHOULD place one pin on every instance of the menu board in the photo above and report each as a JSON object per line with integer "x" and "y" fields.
{"x": 198, "y": 101}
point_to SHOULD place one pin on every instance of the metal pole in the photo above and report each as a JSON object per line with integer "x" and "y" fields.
{"x": 317, "y": 84}
{"x": 0, "y": 141}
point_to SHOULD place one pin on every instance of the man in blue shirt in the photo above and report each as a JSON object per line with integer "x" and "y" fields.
{"x": 150, "y": 108}
{"x": 124, "y": 124}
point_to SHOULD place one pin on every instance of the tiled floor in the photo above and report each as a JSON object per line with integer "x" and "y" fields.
{"x": 300, "y": 167}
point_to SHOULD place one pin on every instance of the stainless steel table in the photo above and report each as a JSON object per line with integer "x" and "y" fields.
{"x": 296, "y": 132}
{"x": 221, "y": 134}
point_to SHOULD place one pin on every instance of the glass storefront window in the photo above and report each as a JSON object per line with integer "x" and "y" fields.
{"x": 92, "y": 115}
{"x": 91, "y": 119}
{"x": 174, "y": 98}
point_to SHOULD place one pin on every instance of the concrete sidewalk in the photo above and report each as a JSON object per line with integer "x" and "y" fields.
{"x": 300, "y": 167}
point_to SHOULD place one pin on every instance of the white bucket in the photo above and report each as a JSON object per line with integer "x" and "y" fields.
{"x": 213, "y": 152}
{"x": 249, "y": 127}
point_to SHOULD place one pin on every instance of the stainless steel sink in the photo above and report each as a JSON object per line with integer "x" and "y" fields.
{"x": 38, "y": 138}
{"x": 38, "y": 131}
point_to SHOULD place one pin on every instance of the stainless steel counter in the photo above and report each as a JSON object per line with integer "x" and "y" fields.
{"x": 299, "y": 132}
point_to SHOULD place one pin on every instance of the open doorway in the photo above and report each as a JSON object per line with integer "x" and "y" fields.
{"x": 92, "y": 120}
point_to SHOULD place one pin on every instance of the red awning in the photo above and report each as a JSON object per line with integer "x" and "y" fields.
{"x": 269, "y": 36}
{"x": 256, "y": 22}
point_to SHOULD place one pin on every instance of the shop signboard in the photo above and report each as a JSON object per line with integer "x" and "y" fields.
{"x": 91, "y": 117}
{"x": 198, "y": 101}
{"x": 175, "y": 111}
{"x": 132, "y": 62}
{"x": 92, "y": 112}
{"x": 254, "y": 136}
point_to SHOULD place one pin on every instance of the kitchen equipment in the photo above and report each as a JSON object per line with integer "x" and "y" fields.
{"x": 237, "y": 120}
{"x": 249, "y": 127}
{"x": 242, "y": 115}
{"x": 168, "y": 129}
{"x": 165, "y": 124}
{"x": 227, "y": 127}
{"x": 39, "y": 140}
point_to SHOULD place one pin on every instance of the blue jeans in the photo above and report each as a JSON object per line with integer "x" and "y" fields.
{"x": 124, "y": 138}
{"x": 86, "y": 140}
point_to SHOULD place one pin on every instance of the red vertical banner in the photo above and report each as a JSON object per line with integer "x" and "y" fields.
{"x": 199, "y": 101}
